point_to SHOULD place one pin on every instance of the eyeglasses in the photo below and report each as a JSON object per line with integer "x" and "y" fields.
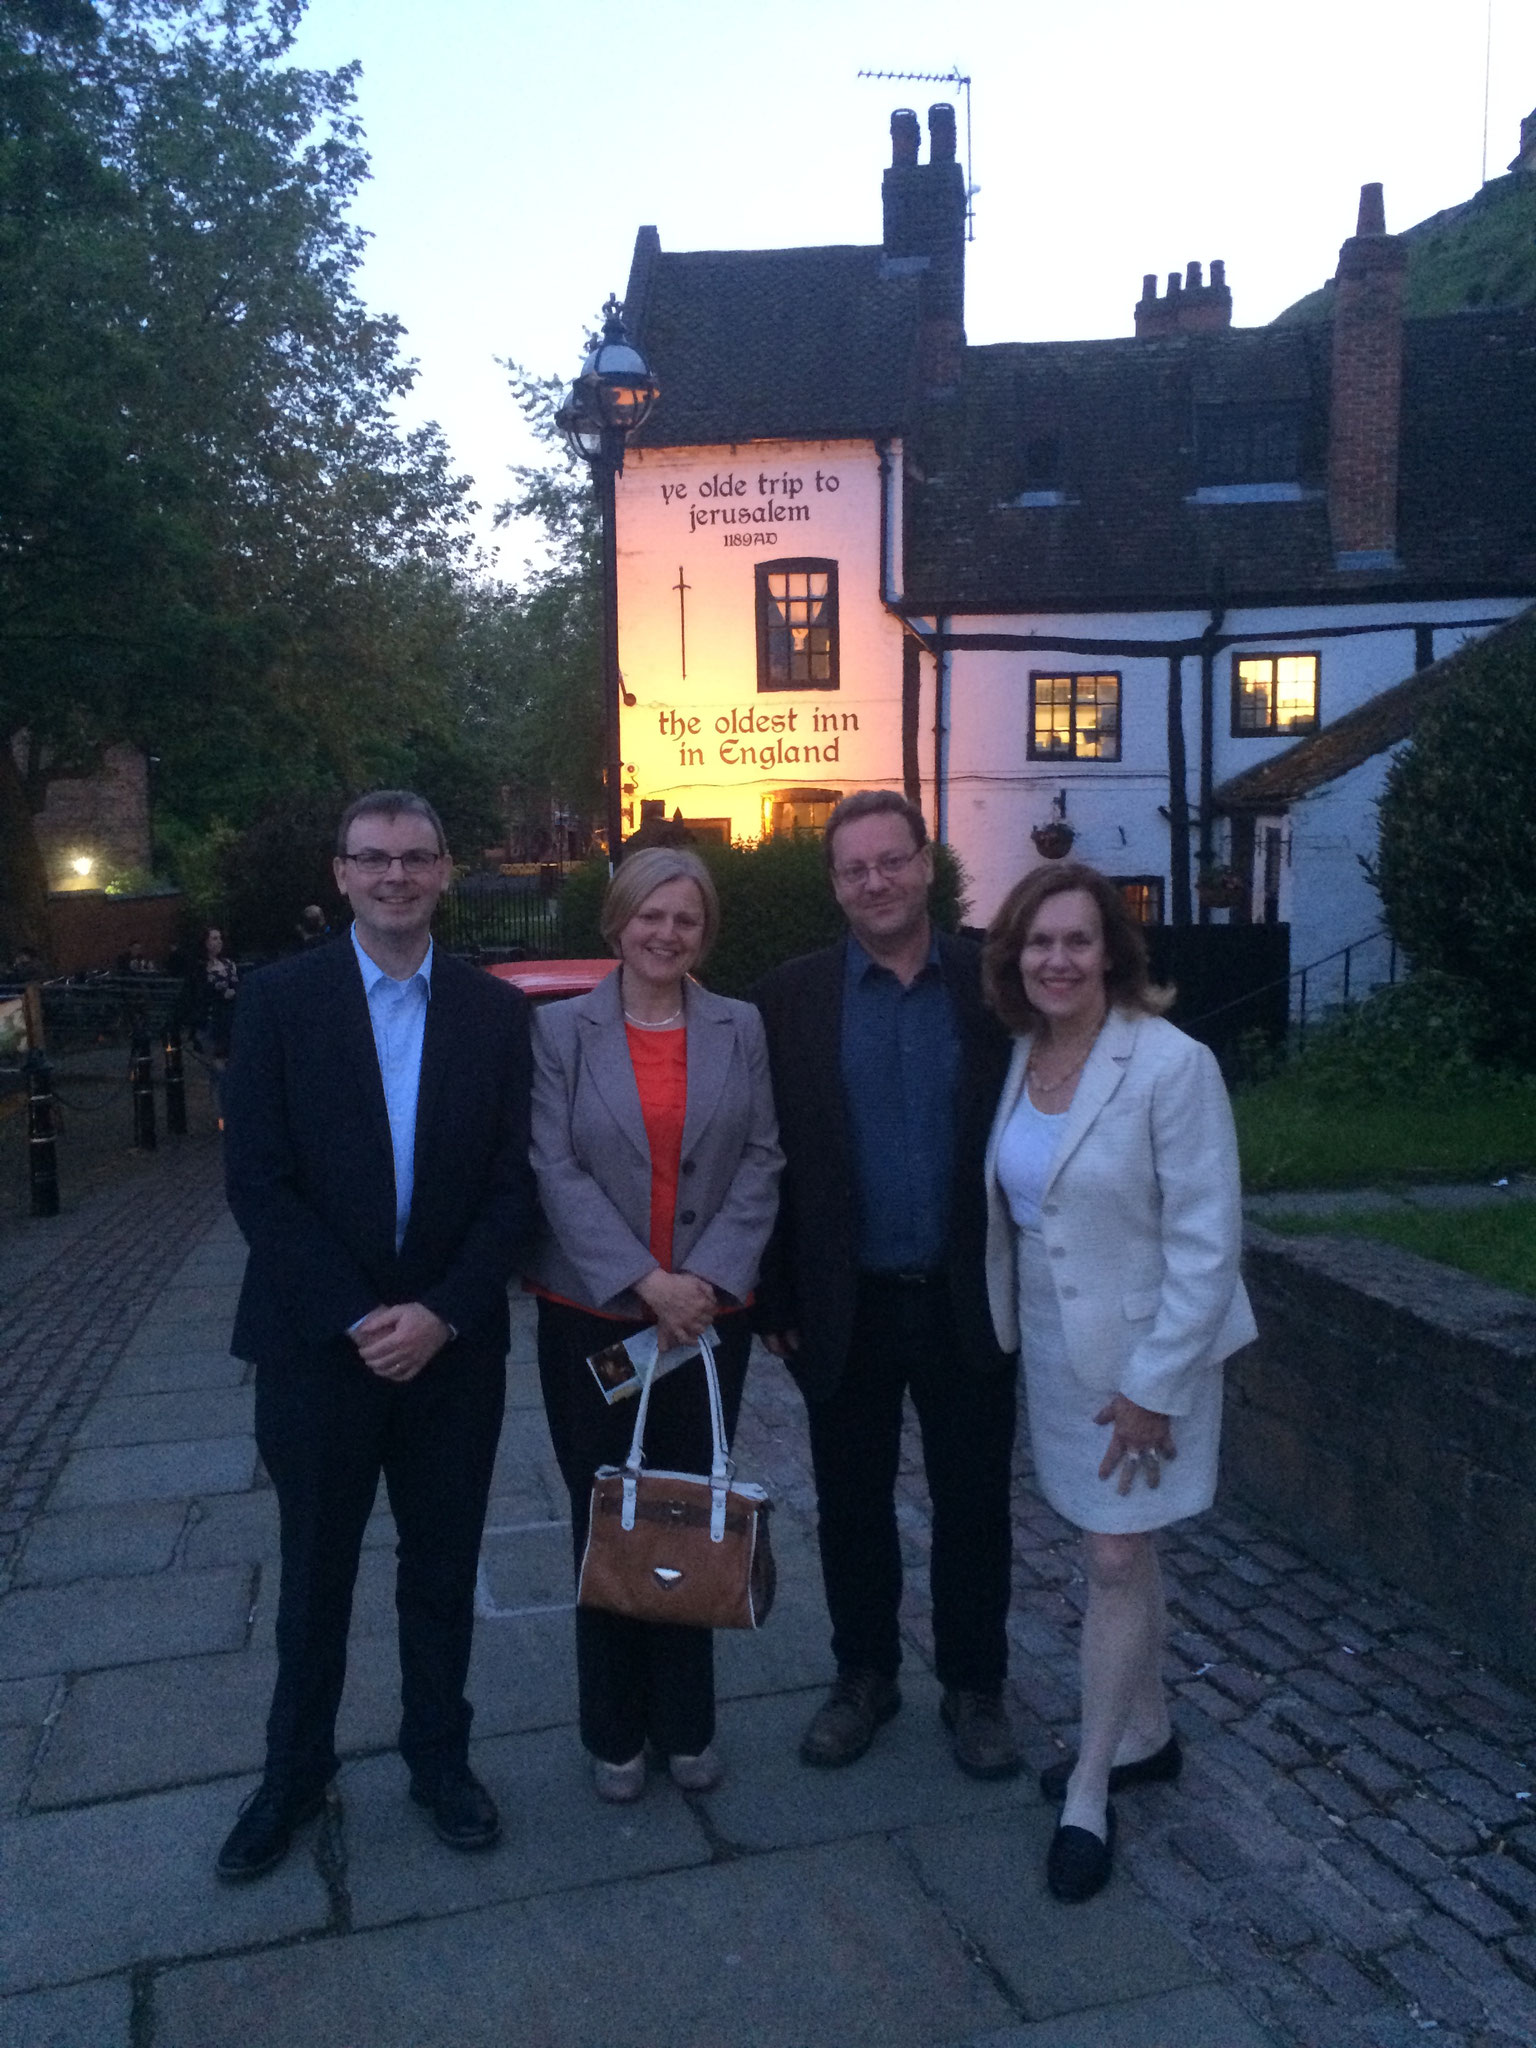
{"x": 372, "y": 860}
{"x": 887, "y": 867}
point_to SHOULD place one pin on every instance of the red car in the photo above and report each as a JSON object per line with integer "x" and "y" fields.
{"x": 547, "y": 981}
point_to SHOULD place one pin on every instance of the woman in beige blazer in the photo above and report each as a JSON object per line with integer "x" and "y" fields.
{"x": 657, "y": 1156}
{"x": 1113, "y": 1237}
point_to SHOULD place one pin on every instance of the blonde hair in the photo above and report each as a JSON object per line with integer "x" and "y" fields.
{"x": 641, "y": 874}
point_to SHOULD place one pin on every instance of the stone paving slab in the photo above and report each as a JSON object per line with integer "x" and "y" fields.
{"x": 522, "y": 1673}
{"x": 98, "y": 1478}
{"x": 156, "y": 1372}
{"x": 117, "y": 1541}
{"x": 17, "y": 1747}
{"x": 771, "y": 1800}
{"x": 98, "y": 1622}
{"x": 101, "y": 1887}
{"x": 990, "y": 1877}
{"x": 1201, "y": 2018}
{"x": 24, "y": 1702}
{"x": 232, "y": 1528}
{"x": 525, "y": 1564}
{"x": 373, "y": 1602}
{"x": 181, "y": 1417}
{"x": 828, "y": 1948}
{"x": 558, "y": 1836}
{"x": 98, "y": 2015}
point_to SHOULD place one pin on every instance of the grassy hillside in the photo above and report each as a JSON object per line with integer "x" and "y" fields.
{"x": 1478, "y": 256}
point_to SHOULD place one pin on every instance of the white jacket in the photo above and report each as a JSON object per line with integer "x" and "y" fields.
{"x": 1141, "y": 1217}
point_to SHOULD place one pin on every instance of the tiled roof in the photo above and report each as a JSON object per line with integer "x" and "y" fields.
{"x": 1370, "y": 728}
{"x": 1123, "y": 415}
{"x": 763, "y": 344}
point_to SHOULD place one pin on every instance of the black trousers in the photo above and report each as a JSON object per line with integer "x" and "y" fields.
{"x": 903, "y": 1338}
{"x": 639, "y": 1681}
{"x": 326, "y": 1428}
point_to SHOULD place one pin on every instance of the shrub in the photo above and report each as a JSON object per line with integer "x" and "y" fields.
{"x": 1426, "y": 1036}
{"x": 775, "y": 902}
{"x": 1458, "y": 835}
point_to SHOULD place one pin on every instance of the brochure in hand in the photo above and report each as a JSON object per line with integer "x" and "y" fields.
{"x": 619, "y": 1368}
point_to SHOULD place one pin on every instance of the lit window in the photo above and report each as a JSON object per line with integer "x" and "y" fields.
{"x": 797, "y": 625}
{"x": 787, "y": 812}
{"x": 1074, "y": 718}
{"x": 1274, "y": 693}
{"x": 1143, "y": 895}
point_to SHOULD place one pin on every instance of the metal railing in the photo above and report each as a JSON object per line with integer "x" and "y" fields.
{"x": 1303, "y": 980}
{"x": 503, "y": 914}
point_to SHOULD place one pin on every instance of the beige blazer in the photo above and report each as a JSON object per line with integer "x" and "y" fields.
{"x": 594, "y": 1165}
{"x": 1141, "y": 1217}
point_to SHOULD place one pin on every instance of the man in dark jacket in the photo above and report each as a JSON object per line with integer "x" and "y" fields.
{"x": 886, "y": 1073}
{"x": 377, "y": 1164}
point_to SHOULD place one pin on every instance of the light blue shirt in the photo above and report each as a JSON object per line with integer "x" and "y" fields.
{"x": 397, "y": 1011}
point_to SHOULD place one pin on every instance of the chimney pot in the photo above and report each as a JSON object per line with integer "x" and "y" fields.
{"x": 904, "y": 136}
{"x": 1175, "y": 285}
{"x": 1149, "y": 288}
{"x": 1193, "y": 279}
{"x": 1218, "y": 276}
{"x": 941, "y": 133}
{"x": 1373, "y": 211}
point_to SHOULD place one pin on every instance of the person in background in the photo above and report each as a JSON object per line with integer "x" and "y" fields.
{"x": 658, "y": 1164}
{"x": 886, "y": 1070}
{"x": 312, "y": 928}
{"x": 1114, "y": 1227}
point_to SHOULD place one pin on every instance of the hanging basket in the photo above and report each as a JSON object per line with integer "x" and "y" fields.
{"x": 1053, "y": 841}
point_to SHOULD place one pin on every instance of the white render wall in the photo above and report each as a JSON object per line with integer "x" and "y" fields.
{"x": 996, "y": 793}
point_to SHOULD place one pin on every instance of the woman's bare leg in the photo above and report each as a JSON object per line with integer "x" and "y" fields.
{"x": 1124, "y": 1713}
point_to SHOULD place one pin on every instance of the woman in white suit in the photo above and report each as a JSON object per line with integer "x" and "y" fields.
{"x": 1114, "y": 1232}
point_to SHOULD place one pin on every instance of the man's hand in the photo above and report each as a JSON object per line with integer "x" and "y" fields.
{"x": 397, "y": 1342}
{"x": 682, "y": 1303}
{"x": 782, "y": 1343}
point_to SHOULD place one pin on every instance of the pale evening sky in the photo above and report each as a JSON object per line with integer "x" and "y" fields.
{"x": 517, "y": 146}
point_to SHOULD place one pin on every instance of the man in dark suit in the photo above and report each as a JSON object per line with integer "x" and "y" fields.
{"x": 886, "y": 1072}
{"x": 377, "y": 1164}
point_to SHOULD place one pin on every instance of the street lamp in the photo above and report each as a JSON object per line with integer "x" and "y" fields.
{"x": 609, "y": 401}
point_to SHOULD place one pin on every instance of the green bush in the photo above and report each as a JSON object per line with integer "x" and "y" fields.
{"x": 1422, "y": 1037}
{"x": 1458, "y": 835}
{"x": 775, "y": 903}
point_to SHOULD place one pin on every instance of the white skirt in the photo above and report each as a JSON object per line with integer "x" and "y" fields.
{"x": 1069, "y": 1445}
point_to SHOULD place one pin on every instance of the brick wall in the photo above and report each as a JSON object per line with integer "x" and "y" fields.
{"x": 105, "y": 816}
{"x": 1387, "y": 1416}
{"x": 88, "y": 930}
{"x": 1367, "y": 379}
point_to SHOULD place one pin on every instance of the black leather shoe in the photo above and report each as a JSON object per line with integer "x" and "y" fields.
{"x": 463, "y": 1812}
{"x": 263, "y": 1834}
{"x": 982, "y": 1736}
{"x": 1160, "y": 1768}
{"x": 844, "y": 1725}
{"x": 1079, "y": 1864}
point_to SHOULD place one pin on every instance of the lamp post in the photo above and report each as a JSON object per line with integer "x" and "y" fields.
{"x": 611, "y": 398}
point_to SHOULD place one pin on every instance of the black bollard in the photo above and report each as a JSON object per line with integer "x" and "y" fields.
{"x": 42, "y": 1151}
{"x": 143, "y": 1077}
{"x": 175, "y": 1084}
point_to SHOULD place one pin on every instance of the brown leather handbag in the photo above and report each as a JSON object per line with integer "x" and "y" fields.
{"x": 679, "y": 1546}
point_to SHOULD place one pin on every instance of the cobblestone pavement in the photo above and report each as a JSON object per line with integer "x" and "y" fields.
{"x": 72, "y": 1292}
{"x": 1352, "y": 1847}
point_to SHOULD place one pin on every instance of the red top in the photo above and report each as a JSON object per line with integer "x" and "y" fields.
{"x": 660, "y": 1061}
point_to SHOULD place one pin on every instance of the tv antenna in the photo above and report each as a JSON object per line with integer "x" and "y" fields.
{"x": 961, "y": 82}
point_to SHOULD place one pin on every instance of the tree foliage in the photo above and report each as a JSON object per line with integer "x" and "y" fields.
{"x": 215, "y": 539}
{"x": 1457, "y": 861}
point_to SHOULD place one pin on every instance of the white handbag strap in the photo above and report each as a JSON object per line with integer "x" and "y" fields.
{"x": 720, "y": 1464}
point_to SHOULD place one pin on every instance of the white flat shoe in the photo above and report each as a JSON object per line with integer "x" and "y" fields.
{"x": 701, "y": 1773}
{"x": 619, "y": 1784}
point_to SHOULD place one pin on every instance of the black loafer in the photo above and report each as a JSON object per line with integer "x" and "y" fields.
{"x": 1160, "y": 1768}
{"x": 463, "y": 1812}
{"x": 1079, "y": 1864}
{"x": 263, "y": 1834}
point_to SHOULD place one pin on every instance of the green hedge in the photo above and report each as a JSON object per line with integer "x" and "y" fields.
{"x": 775, "y": 902}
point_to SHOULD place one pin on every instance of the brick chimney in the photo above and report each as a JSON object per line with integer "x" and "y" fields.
{"x": 1365, "y": 407}
{"x": 1191, "y": 306}
{"x": 1526, "y": 159}
{"x": 924, "y": 212}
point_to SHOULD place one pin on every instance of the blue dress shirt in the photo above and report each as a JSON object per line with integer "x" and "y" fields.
{"x": 397, "y": 1011}
{"x": 900, "y": 1067}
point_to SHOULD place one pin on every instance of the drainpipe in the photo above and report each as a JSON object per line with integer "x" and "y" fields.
{"x": 1178, "y": 797}
{"x": 1208, "y": 735}
{"x": 941, "y": 730}
{"x": 914, "y": 645}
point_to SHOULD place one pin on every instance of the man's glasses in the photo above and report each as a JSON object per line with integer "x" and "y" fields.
{"x": 887, "y": 867}
{"x": 372, "y": 860}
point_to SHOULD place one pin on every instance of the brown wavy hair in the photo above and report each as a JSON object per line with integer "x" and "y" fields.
{"x": 1128, "y": 984}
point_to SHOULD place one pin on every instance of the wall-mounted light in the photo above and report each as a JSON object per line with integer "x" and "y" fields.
{"x": 82, "y": 864}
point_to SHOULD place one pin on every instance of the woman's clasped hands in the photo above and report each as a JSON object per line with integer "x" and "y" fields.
{"x": 682, "y": 1303}
{"x": 1141, "y": 1442}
